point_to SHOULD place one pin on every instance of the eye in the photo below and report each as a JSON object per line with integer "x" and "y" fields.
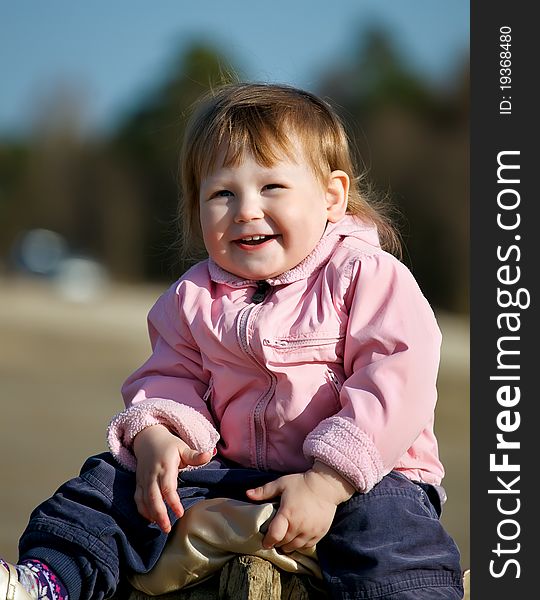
{"x": 222, "y": 194}
{"x": 273, "y": 186}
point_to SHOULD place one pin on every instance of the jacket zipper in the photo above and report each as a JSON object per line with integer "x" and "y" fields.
{"x": 258, "y": 412}
{"x": 260, "y": 294}
{"x": 301, "y": 343}
{"x": 207, "y": 399}
{"x": 208, "y": 393}
{"x": 334, "y": 381}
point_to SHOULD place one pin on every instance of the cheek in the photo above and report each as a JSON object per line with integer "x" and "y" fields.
{"x": 210, "y": 217}
{"x": 314, "y": 218}
{"x": 213, "y": 227}
{"x": 207, "y": 230}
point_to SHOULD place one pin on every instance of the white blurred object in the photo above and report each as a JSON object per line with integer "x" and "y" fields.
{"x": 81, "y": 279}
{"x": 41, "y": 251}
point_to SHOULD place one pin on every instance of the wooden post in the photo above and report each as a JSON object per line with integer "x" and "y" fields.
{"x": 250, "y": 578}
{"x": 242, "y": 578}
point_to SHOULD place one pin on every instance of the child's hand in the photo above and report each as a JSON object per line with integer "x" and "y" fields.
{"x": 160, "y": 455}
{"x": 307, "y": 508}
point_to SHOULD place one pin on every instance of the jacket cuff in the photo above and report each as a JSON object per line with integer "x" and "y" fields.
{"x": 339, "y": 443}
{"x": 192, "y": 427}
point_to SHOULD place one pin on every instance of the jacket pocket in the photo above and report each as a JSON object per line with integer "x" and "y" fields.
{"x": 319, "y": 348}
{"x": 290, "y": 343}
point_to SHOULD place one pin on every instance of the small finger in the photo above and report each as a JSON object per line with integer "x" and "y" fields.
{"x": 295, "y": 544}
{"x": 157, "y": 508}
{"x": 276, "y": 531}
{"x": 169, "y": 493}
{"x": 289, "y": 536}
{"x": 140, "y": 503}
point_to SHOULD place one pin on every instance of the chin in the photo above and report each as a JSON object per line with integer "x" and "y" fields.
{"x": 256, "y": 274}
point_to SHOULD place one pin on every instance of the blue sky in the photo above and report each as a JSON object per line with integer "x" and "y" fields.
{"x": 115, "y": 51}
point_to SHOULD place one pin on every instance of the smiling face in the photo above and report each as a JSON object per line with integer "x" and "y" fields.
{"x": 258, "y": 222}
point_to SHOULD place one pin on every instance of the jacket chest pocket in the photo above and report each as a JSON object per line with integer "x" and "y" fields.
{"x": 318, "y": 347}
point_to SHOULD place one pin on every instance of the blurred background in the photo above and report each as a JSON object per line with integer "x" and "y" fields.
{"x": 92, "y": 109}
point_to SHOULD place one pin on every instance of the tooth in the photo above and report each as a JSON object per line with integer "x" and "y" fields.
{"x": 253, "y": 238}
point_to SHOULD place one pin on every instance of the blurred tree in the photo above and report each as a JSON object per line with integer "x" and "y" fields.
{"x": 63, "y": 181}
{"x": 413, "y": 141}
{"x": 13, "y": 164}
{"x": 148, "y": 143}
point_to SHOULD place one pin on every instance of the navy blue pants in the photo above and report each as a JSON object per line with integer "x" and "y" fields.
{"x": 386, "y": 544}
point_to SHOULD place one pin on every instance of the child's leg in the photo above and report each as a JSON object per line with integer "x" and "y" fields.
{"x": 90, "y": 532}
{"x": 389, "y": 544}
{"x": 90, "y": 529}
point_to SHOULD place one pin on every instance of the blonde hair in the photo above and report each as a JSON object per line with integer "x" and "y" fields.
{"x": 260, "y": 118}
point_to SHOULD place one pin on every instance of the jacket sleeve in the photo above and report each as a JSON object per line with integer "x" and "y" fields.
{"x": 168, "y": 388}
{"x": 391, "y": 355}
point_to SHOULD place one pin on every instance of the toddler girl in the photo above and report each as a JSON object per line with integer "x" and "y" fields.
{"x": 298, "y": 361}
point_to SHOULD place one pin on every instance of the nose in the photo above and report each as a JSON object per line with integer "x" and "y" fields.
{"x": 248, "y": 208}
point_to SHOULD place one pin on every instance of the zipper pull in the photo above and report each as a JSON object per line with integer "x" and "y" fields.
{"x": 260, "y": 294}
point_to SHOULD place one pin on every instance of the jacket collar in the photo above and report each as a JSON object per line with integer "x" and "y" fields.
{"x": 348, "y": 226}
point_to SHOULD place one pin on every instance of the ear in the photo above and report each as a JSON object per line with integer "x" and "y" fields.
{"x": 337, "y": 194}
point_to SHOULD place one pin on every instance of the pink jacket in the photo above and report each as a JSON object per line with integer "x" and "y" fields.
{"x": 338, "y": 362}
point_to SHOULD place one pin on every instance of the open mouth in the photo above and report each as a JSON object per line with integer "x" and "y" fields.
{"x": 255, "y": 240}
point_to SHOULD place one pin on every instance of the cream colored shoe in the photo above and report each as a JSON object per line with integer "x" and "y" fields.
{"x": 10, "y": 587}
{"x": 466, "y": 584}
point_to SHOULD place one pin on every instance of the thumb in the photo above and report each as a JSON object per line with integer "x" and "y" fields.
{"x": 265, "y": 492}
{"x": 191, "y": 457}
{"x": 197, "y": 459}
